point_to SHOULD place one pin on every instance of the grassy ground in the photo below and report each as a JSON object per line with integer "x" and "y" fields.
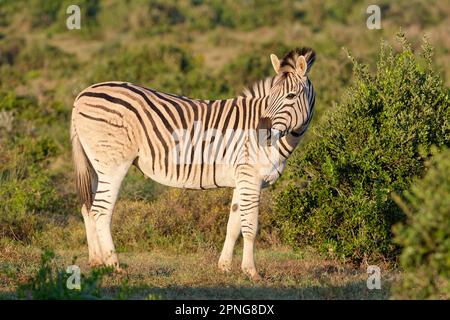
{"x": 171, "y": 275}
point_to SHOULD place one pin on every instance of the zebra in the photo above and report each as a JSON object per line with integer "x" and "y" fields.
{"x": 186, "y": 143}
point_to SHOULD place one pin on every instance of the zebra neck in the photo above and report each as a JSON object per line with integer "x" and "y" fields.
{"x": 250, "y": 108}
{"x": 256, "y": 107}
{"x": 286, "y": 146}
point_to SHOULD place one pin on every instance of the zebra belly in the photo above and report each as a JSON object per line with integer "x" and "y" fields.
{"x": 197, "y": 177}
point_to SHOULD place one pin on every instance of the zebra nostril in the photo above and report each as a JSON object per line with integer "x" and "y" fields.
{"x": 276, "y": 134}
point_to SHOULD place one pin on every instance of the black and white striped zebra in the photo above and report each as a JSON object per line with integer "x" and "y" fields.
{"x": 241, "y": 143}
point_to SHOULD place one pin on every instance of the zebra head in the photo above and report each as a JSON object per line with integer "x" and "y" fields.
{"x": 291, "y": 97}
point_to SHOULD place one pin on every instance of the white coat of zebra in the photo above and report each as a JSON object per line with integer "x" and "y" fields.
{"x": 241, "y": 143}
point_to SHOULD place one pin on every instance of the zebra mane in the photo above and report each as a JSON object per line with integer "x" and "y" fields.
{"x": 290, "y": 58}
{"x": 259, "y": 89}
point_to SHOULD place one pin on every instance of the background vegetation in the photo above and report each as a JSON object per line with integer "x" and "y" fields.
{"x": 425, "y": 235}
{"x": 361, "y": 169}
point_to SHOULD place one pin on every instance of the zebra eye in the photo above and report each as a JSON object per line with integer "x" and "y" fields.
{"x": 291, "y": 96}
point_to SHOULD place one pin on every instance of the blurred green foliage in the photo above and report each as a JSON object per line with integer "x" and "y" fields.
{"x": 169, "y": 68}
{"x": 44, "y": 13}
{"x": 52, "y": 14}
{"x": 27, "y": 188}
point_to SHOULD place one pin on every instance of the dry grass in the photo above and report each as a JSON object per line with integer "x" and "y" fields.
{"x": 171, "y": 275}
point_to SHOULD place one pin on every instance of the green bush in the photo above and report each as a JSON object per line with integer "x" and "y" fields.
{"x": 9, "y": 49}
{"x": 26, "y": 187}
{"x": 165, "y": 16}
{"x": 20, "y": 62}
{"x": 375, "y": 142}
{"x": 251, "y": 66}
{"x": 424, "y": 14}
{"x": 51, "y": 59}
{"x": 141, "y": 64}
{"x": 44, "y": 13}
{"x": 53, "y": 15}
{"x": 318, "y": 12}
{"x": 241, "y": 15}
{"x": 425, "y": 237}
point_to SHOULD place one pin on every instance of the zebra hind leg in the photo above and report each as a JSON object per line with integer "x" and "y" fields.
{"x": 105, "y": 197}
{"x": 233, "y": 232}
{"x": 95, "y": 254}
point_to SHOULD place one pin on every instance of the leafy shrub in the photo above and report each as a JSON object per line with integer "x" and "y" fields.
{"x": 53, "y": 15}
{"x": 9, "y": 49}
{"x": 163, "y": 13}
{"x": 8, "y": 6}
{"x": 20, "y": 62}
{"x": 165, "y": 16}
{"x": 317, "y": 12}
{"x": 241, "y": 15}
{"x": 48, "y": 58}
{"x": 26, "y": 188}
{"x": 375, "y": 142}
{"x": 425, "y": 237}
{"x": 141, "y": 64}
{"x": 44, "y": 13}
{"x": 30, "y": 119}
{"x": 251, "y": 66}
{"x": 89, "y": 11}
{"x": 424, "y": 14}
{"x": 22, "y": 107}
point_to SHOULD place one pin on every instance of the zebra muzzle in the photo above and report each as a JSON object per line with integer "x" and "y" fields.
{"x": 263, "y": 131}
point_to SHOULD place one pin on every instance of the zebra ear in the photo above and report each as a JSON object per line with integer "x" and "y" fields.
{"x": 275, "y": 63}
{"x": 301, "y": 66}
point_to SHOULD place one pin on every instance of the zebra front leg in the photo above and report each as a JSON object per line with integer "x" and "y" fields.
{"x": 249, "y": 189}
{"x": 233, "y": 231}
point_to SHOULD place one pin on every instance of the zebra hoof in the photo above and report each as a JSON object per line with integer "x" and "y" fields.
{"x": 256, "y": 277}
{"x": 95, "y": 263}
{"x": 225, "y": 266}
{"x": 252, "y": 274}
{"x": 119, "y": 270}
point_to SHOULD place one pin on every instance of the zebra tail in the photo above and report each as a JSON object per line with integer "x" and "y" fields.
{"x": 83, "y": 170}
